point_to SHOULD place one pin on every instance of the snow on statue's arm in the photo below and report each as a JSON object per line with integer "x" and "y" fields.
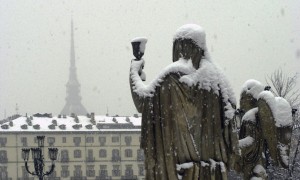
{"x": 137, "y": 75}
{"x": 136, "y": 83}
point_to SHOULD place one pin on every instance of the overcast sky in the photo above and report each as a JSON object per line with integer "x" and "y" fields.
{"x": 247, "y": 39}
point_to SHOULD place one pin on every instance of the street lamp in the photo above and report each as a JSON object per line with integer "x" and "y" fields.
{"x": 38, "y": 158}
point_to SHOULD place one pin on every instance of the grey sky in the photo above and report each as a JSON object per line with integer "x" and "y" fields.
{"x": 248, "y": 39}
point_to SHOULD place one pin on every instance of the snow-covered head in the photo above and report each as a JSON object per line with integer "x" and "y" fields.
{"x": 189, "y": 43}
{"x": 252, "y": 87}
{"x": 249, "y": 94}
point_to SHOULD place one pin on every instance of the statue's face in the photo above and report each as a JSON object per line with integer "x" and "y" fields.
{"x": 247, "y": 102}
{"x": 187, "y": 49}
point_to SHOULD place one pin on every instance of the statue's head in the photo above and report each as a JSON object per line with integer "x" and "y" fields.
{"x": 189, "y": 43}
{"x": 249, "y": 94}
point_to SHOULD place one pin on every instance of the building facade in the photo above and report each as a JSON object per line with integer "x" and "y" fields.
{"x": 90, "y": 147}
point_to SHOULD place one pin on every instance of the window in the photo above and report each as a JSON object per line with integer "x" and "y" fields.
{"x": 116, "y": 170}
{"x": 116, "y": 155}
{"x": 64, "y": 140}
{"x": 51, "y": 141}
{"x": 89, "y": 140}
{"x": 24, "y": 141}
{"x": 3, "y": 156}
{"x": 103, "y": 171}
{"x": 141, "y": 170}
{"x": 140, "y": 155}
{"x": 77, "y": 153}
{"x": 128, "y": 153}
{"x": 90, "y": 172}
{"x": 77, "y": 171}
{"x": 102, "y": 140}
{"x": 3, "y": 172}
{"x": 64, "y": 156}
{"x": 128, "y": 170}
{"x": 102, "y": 153}
{"x": 115, "y": 139}
{"x": 128, "y": 140}
{"x": 77, "y": 141}
{"x": 3, "y": 141}
{"x": 90, "y": 157}
{"x": 64, "y": 171}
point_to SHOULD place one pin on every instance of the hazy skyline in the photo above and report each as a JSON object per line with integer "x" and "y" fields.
{"x": 247, "y": 39}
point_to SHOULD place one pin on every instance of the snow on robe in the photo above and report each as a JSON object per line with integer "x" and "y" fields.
{"x": 187, "y": 117}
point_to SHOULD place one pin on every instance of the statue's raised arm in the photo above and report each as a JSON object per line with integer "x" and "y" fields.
{"x": 136, "y": 75}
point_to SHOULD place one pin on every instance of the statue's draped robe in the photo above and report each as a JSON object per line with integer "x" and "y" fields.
{"x": 252, "y": 154}
{"x": 183, "y": 124}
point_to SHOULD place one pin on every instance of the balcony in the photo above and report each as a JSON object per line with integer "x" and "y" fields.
{"x": 52, "y": 178}
{"x": 64, "y": 159}
{"x": 116, "y": 158}
{"x": 6, "y": 178}
{"x": 90, "y": 159}
{"x": 132, "y": 177}
{"x": 26, "y": 178}
{"x": 3, "y": 160}
{"x": 78, "y": 178}
{"x": 103, "y": 178}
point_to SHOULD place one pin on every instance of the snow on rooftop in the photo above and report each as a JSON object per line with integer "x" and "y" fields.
{"x": 252, "y": 87}
{"x": 68, "y": 123}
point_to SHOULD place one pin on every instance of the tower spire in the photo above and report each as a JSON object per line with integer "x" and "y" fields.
{"x": 72, "y": 51}
{"x": 73, "y": 99}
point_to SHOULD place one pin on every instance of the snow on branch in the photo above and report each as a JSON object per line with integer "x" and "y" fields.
{"x": 284, "y": 86}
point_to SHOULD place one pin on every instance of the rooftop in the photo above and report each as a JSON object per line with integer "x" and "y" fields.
{"x": 45, "y": 122}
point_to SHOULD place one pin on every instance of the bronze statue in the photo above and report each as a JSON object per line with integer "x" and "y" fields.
{"x": 188, "y": 129}
{"x": 265, "y": 132}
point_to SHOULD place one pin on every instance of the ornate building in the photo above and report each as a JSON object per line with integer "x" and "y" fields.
{"x": 73, "y": 99}
{"x": 90, "y": 147}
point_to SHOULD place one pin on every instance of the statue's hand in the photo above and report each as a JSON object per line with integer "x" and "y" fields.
{"x": 137, "y": 67}
{"x": 142, "y": 73}
{"x": 143, "y": 76}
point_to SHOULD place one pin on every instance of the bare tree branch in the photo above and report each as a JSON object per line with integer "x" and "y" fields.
{"x": 284, "y": 86}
